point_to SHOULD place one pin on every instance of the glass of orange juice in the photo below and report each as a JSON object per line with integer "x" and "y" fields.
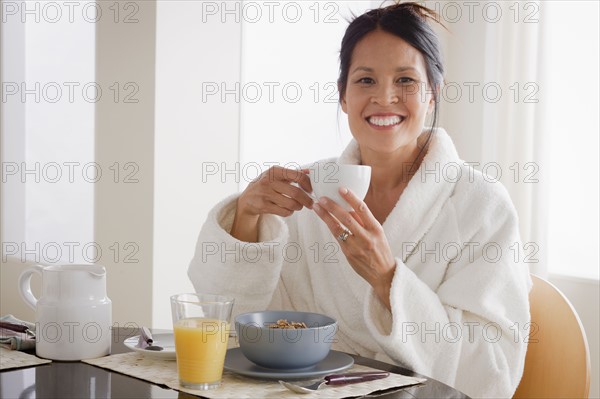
{"x": 201, "y": 327}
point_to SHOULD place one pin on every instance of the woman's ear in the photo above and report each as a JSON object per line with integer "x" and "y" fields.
{"x": 431, "y": 105}
{"x": 342, "y": 99}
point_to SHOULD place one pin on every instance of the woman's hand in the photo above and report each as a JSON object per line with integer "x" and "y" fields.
{"x": 366, "y": 247}
{"x": 271, "y": 193}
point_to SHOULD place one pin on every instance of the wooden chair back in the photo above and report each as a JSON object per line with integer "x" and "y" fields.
{"x": 557, "y": 364}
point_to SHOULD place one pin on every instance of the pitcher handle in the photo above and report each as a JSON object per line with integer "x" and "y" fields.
{"x": 25, "y": 285}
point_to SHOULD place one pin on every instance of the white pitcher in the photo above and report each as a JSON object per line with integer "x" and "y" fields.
{"x": 73, "y": 315}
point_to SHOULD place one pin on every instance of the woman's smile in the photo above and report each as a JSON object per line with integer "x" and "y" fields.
{"x": 386, "y": 121}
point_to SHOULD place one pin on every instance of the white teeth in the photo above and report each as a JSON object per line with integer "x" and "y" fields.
{"x": 384, "y": 121}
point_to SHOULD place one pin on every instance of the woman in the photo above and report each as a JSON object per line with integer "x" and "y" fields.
{"x": 421, "y": 272}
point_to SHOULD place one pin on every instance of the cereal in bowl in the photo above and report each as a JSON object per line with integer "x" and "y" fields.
{"x": 294, "y": 325}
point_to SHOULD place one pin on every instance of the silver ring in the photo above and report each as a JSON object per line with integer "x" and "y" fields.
{"x": 344, "y": 235}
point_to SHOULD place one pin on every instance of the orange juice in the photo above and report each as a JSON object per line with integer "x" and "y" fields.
{"x": 201, "y": 345}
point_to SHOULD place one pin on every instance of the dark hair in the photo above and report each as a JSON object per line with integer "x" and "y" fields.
{"x": 408, "y": 21}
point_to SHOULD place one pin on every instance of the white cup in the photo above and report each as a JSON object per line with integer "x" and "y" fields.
{"x": 327, "y": 178}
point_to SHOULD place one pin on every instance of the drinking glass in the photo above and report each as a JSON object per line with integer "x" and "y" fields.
{"x": 201, "y": 328}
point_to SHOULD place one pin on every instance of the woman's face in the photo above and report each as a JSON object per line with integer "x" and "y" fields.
{"x": 387, "y": 96}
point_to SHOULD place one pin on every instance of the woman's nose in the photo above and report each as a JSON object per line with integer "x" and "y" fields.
{"x": 386, "y": 95}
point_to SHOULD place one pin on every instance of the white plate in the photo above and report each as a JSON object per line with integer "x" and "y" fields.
{"x": 236, "y": 362}
{"x": 166, "y": 340}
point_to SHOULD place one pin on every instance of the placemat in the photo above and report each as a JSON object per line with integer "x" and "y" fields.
{"x": 10, "y": 359}
{"x": 236, "y": 386}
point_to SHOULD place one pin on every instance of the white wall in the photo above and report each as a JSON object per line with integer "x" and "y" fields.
{"x": 124, "y": 143}
{"x": 12, "y": 149}
{"x": 584, "y": 295}
{"x": 193, "y": 138}
{"x": 573, "y": 141}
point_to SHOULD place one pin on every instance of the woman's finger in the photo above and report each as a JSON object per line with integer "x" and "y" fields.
{"x": 289, "y": 175}
{"x": 341, "y": 214}
{"x": 332, "y": 223}
{"x": 304, "y": 181}
{"x": 272, "y": 208}
{"x": 297, "y": 176}
{"x": 294, "y": 193}
{"x": 284, "y": 201}
{"x": 357, "y": 218}
{"x": 363, "y": 213}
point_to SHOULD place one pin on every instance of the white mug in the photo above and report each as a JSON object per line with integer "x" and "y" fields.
{"x": 73, "y": 314}
{"x": 327, "y": 178}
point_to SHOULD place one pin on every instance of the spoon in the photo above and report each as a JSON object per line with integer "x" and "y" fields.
{"x": 336, "y": 379}
{"x": 146, "y": 339}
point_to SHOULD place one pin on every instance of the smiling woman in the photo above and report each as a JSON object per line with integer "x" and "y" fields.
{"x": 409, "y": 274}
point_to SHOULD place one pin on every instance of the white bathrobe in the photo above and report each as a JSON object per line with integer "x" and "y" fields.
{"x": 459, "y": 295}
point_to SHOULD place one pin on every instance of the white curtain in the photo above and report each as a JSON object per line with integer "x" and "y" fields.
{"x": 513, "y": 131}
{"x": 491, "y": 104}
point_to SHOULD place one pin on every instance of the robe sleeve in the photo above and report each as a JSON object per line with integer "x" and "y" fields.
{"x": 249, "y": 272}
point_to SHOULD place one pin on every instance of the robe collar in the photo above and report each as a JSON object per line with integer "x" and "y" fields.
{"x": 425, "y": 195}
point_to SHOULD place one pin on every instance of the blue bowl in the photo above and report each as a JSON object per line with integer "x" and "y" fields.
{"x": 285, "y": 348}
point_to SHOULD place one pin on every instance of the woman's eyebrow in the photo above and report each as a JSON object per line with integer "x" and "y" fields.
{"x": 362, "y": 68}
{"x": 371, "y": 70}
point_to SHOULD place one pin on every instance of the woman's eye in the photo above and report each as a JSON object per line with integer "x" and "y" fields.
{"x": 365, "y": 80}
{"x": 406, "y": 81}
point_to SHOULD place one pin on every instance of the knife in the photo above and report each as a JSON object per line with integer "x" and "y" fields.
{"x": 146, "y": 341}
{"x": 147, "y": 335}
{"x": 17, "y": 328}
